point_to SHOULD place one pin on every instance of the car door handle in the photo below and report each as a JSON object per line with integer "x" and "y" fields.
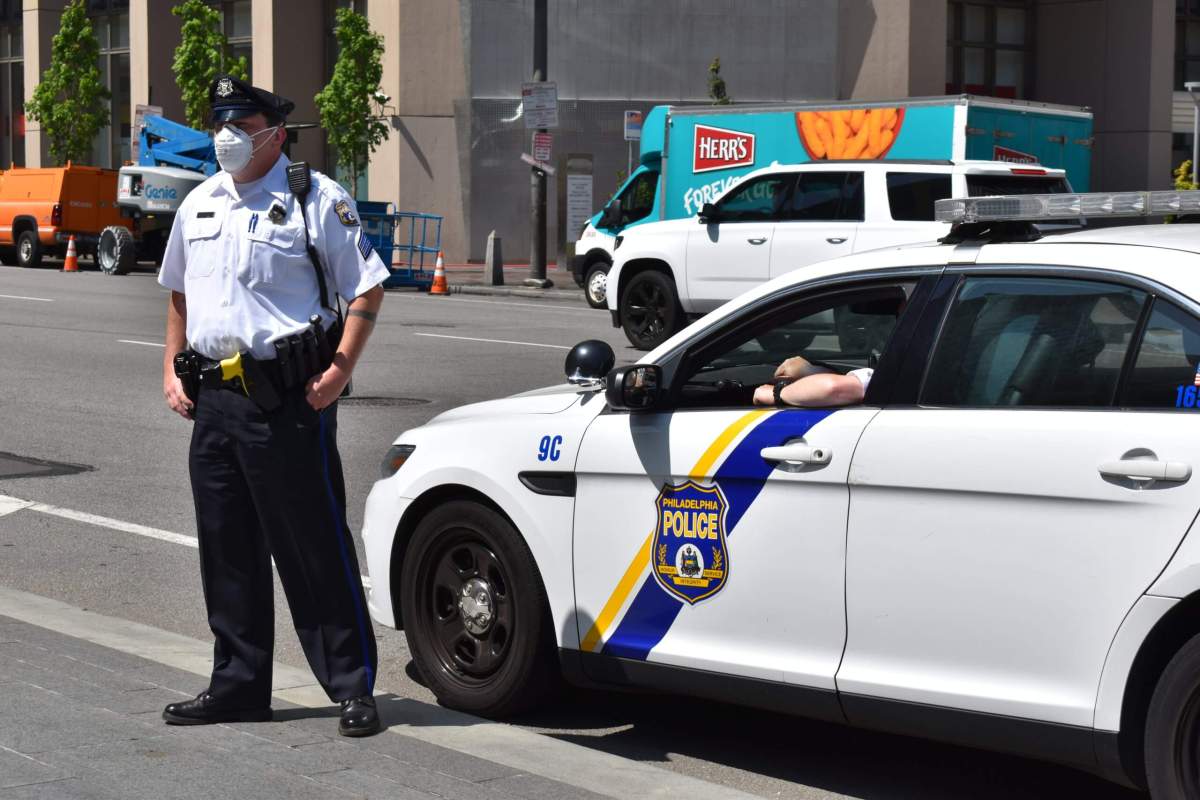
{"x": 1146, "y": 470}
{"x": 798, "y": 453}
{"x": 836, "y": 239}
{"x": 758, "y": 240}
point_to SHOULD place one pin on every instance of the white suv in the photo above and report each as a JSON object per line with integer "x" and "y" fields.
{"x": 783, "y": 217}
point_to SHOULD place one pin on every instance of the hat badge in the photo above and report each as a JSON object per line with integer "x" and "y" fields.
{"x": 224, "y": 87}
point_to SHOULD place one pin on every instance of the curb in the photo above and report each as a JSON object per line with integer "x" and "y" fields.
{"x": 573, "y": 295}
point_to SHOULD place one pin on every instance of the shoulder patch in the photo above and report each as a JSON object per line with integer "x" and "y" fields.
{"x": 345, "y": 214}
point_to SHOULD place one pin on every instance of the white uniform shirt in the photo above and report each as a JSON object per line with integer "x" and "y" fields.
{"x": 247, "y": 276}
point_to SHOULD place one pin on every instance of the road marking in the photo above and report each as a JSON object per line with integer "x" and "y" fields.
{"x": 135, "y": 341}
{"x": 492, "y": 341}
{"x": 558, "y": 760}
{"x": 19, "y": 297}
{"x": 9, "y": 504}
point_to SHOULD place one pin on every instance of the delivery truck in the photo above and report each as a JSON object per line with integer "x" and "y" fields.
{"x": 692, "y": 155}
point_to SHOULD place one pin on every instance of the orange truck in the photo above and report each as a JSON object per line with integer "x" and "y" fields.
{"x": 40, "y": 208}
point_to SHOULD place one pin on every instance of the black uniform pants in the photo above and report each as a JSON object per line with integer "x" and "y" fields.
{"x": 270, "y": 484}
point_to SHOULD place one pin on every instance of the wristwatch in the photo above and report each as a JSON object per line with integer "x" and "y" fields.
{"x": 779, "y": 391}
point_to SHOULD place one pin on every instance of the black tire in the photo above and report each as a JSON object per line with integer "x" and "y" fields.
{"x": 1172, "y": 747}
{"x": 8, "y": 256}
{"x": 116, "y": 252}
{"x": 595, "y": 282}
{"x": 507, "y": 668}
{"x": 29, "y": 249}
{"x": 649, "y": 310}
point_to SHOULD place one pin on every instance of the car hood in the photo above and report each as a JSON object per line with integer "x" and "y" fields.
{"x": 548, "y": 400}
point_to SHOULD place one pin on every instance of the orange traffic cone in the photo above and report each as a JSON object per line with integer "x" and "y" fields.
{"x": 439, "y": 277}
{"x": 72, "y": 262}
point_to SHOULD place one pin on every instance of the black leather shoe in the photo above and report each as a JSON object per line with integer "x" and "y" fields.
{"x": 359, "y": 717}
{"x": 203, "y": 709}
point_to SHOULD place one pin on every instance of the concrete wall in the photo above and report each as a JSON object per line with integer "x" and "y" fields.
{"x": 153, "y": 36}
{"x": 289, "y": 59}
{"x": 39, "y": 21}
{"x": 891, "y": 48}
{"x": 420, "y": 166}
{"x": 1117, "y": 57}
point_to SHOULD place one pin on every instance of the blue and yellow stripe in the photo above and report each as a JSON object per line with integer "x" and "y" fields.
{"x": 741, "y": 476}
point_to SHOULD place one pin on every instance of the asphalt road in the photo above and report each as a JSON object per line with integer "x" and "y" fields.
{"x": 80, "y": 383}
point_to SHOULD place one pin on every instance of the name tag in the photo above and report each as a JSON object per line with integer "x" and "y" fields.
{"x": 205, "y": 214}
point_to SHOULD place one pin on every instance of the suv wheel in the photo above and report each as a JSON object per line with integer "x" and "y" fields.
{"x": 649, "y": 310}
{"x": 29, "y": 249}
{"x": 1172, "y": 748}
{"x": 595, "y": 282}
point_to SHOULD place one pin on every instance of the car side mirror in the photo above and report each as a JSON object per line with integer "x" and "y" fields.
{"x": 637, "y": 387}
{"x": 611, "y": 216}
{"x": 588, "y": 362}
{"x": 709, "y": 214}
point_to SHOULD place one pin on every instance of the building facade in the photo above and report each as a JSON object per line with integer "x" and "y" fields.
{"x": 453, "y": 71}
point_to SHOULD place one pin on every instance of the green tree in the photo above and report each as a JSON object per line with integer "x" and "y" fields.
{"x": 70, "y": 100}
{"x": 203, "y": 54}
{"x": 716, "y": 84}
{"x": 345, "y": 104}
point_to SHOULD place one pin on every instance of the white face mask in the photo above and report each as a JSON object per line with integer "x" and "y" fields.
{"x": 235, "y": 147}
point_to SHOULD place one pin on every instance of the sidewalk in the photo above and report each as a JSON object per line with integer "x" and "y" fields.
{"x": 81, "y": 719}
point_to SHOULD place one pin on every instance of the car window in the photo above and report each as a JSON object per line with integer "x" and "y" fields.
{"x": 827, "y": 197}
{"x": 1164, "y": 374}
{"x": 637, "y": 201}
{"x": 988, "y": 185}
{"x": 1032, "y": 342}
{"x": 911, "y": 195}
{"x": 842, "y": 332}
{"x": 758, "y": 200}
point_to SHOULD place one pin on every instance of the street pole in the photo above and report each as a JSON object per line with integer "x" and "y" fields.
{"x": 1192, "y": 87}
{"x": 537, "y": 185}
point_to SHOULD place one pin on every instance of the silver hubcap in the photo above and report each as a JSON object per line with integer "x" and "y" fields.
{"x": 475, "y": 606}
{"x": 26, "y": 249}
{"x": 597, "y": 286}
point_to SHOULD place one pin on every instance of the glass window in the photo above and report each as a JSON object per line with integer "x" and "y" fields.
{"x": 986, "y": 185}
{"x": 757, "y": 200}
{"x": 974, "y": 23}
{"x": 1165, "y": 373}
{"x": 827, "y": 197}
{"x": 1010, "y": 342}
{"x": 638, "y": 199}
{"x": 838, "y": 333}
{"x": 911, "y": 195}
{"x": 1010, "y": 26}
{"x": 989, "y": 52}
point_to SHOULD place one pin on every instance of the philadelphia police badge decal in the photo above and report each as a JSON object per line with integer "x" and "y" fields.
{"x": 689, "y": 556}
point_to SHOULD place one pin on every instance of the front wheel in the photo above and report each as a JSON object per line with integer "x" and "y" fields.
{"x": 649, "y": 310}
{"x": 475, "y": 612}
{"x": 117, "y": 252}
{"x": 595, "y": 282}
{"x": 1172, "y": 748}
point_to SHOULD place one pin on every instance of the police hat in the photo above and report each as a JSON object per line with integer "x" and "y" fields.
{"x": 232, "y": 99}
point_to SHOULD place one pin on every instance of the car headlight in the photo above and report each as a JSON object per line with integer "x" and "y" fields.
{"x": 397, "y": 454}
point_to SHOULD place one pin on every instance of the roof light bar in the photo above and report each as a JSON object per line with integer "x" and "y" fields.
{"x": 1034, "y": 207}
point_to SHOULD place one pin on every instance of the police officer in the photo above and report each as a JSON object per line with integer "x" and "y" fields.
{"x": 265, "y": 472}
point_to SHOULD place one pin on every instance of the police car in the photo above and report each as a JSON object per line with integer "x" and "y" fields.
{"x": 992, "y": 549}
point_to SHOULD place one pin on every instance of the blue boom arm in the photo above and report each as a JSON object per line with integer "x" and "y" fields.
{"x": 163, "y": 143}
